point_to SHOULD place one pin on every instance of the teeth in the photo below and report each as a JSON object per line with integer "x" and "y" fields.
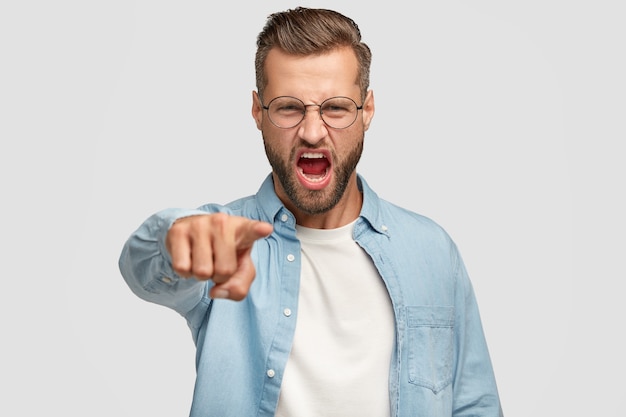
{"x": 312, "y": 155}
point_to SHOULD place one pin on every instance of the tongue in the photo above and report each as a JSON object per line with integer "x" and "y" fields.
{"x": 312, "y": 166}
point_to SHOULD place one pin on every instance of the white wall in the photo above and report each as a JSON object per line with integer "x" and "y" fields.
{"x": 503, "y": 122}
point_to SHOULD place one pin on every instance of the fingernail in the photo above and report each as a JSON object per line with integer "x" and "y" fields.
{"x": 221, "y": 293}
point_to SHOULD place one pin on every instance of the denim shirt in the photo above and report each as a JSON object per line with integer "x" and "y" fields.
{"x": 440, "y": 365}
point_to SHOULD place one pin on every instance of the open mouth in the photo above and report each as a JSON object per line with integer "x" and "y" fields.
{"x": 314, "y": 169}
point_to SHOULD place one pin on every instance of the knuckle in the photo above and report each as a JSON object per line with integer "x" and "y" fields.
{"x": 224, "y": 270}
{"x": 202, "y": 271}
{"x": 181, "y": 268}
{"x": 174, "y": 236}
{"x": 219, "y": 220}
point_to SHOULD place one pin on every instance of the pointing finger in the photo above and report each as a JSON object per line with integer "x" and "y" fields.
{"x": 252, "y": 231}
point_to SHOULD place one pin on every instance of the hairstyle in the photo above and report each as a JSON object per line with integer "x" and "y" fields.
{"x": 304, "y": 31}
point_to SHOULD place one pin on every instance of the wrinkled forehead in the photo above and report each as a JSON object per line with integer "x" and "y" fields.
{"x": 323, "y": 75}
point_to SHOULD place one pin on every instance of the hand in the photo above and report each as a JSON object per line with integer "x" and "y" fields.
{"x": 216, "y": 246}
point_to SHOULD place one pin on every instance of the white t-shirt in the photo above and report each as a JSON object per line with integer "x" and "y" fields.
{"x": 342, "y": 348}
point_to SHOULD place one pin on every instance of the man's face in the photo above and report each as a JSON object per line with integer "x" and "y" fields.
{"x": 312, "y": 163}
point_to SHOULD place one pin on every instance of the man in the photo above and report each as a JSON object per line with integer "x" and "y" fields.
{"x": 314, "y": 297}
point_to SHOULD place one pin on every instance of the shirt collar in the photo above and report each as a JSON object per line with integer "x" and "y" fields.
{"x": 269, "y": 203}
{"x": 370, "y": 211}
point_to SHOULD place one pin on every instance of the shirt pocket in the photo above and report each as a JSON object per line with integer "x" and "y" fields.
{"x": 430, "y": 346}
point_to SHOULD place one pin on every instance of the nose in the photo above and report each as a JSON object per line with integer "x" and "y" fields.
{"x": 312, "y": 129}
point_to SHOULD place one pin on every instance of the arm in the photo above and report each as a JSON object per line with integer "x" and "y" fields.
{"x": 146, "y": 264}
{"x": 171, "y": 256}
{"x": 475, "y": 391}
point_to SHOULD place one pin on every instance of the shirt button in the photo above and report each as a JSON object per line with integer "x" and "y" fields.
{"x": 284, "y": 217}
{"x": 290, "y": 257}
{"x": 166, "y": 280}
{"x": 385, "y": 228}
{"x": 271, "y": 373}
{"x": 287, "y": 312}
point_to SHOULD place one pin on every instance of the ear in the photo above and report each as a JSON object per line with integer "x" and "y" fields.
{"x": 368, "y": 109}
{"x": 257, "y": 109}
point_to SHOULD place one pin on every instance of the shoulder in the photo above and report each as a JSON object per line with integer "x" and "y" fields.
{"x": 410, "y": 222}
{"x": 382, "y": 214}
{"x": 243, "y": 206}
{"x": 261, "y": 206}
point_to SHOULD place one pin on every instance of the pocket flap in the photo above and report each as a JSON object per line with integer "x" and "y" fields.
{"x": 430, "y": 316}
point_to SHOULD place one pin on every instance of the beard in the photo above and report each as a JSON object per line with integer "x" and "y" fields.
{"x": 314, "y": 202}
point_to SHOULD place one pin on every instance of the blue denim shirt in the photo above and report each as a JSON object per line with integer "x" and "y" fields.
{"x": 440, "y": 366}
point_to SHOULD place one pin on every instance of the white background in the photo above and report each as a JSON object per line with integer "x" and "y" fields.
{"x": 502, "y": 122}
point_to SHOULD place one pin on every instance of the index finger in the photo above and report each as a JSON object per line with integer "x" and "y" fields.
{"x": 251, "y": 231}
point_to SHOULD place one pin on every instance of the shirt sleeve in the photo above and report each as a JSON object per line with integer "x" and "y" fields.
{"x": 146, "y": 265}
{"x": 475, "y": 390}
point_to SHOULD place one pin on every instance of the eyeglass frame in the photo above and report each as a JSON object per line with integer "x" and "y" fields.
{"x": 319, "y": 106}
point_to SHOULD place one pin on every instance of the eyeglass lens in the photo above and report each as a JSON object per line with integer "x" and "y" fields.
{"x": 336, "y": 112}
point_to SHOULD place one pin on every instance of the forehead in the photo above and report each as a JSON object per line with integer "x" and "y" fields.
{"x": 312, "y": 77}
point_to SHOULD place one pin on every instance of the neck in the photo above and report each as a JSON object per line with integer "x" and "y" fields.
{"x": 343, "y": 213}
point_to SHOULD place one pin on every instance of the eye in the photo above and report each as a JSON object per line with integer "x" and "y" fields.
{"x": 285, "y": 106}
{"x": 338, "y": 107}
{"x": 334, "y": 108}
{"x": 290, "y": 107}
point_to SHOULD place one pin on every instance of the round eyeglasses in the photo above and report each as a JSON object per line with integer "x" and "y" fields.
{"x": 337, "y": 112}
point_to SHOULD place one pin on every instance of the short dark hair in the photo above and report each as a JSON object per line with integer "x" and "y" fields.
{"x": 304, "y": 31}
